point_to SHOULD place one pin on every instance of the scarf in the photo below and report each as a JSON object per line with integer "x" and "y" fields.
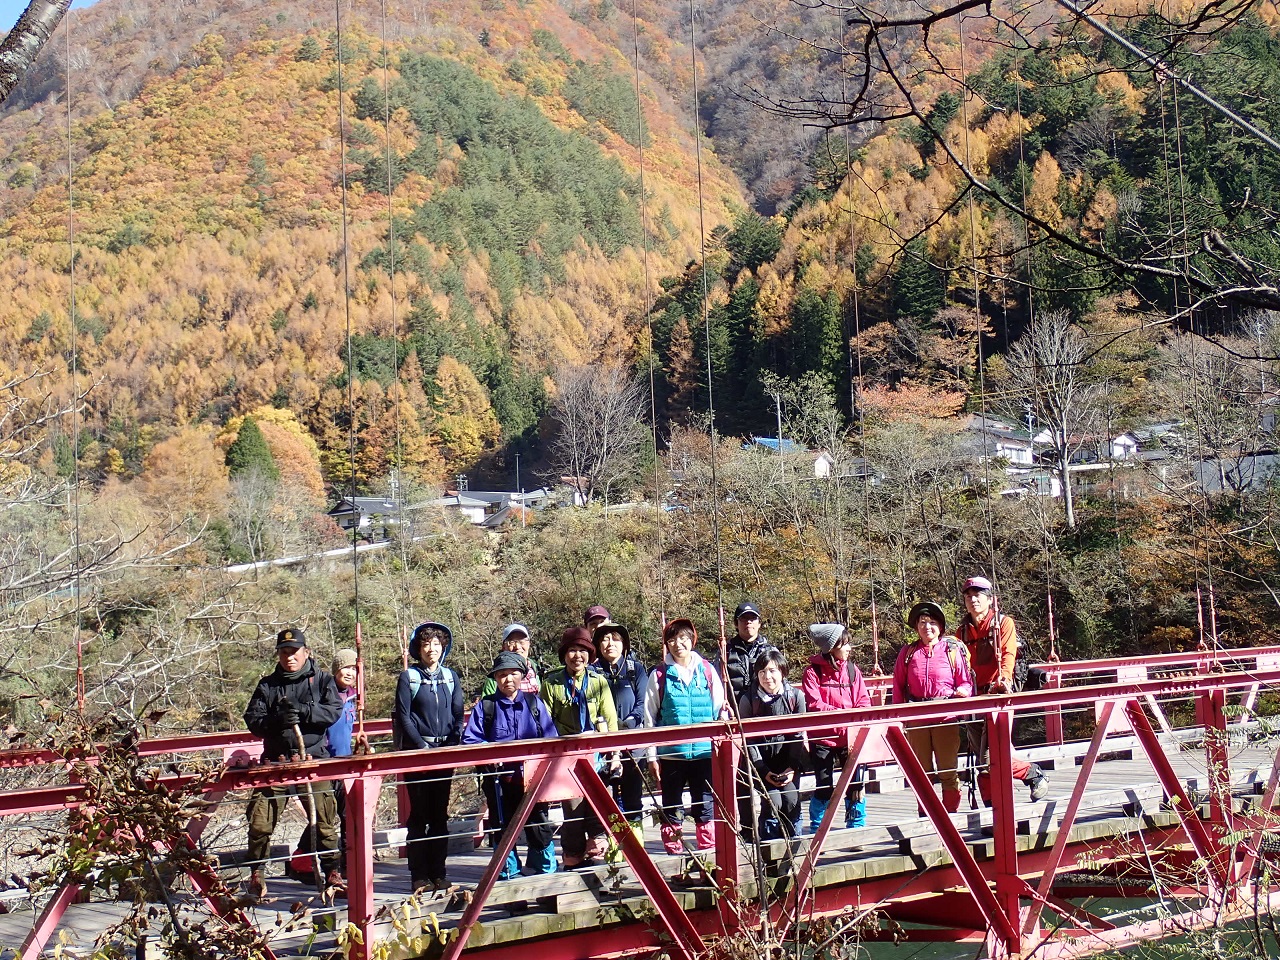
{"x": 292, "y": 675}
{"x": 577, "y": 690}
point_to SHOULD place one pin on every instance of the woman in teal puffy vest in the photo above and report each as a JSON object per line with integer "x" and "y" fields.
{"x": 683, "y": 689}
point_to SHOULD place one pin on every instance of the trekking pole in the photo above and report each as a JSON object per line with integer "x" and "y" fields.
{"x": 313, "y": 829}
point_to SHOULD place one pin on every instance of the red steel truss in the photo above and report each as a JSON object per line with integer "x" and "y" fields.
{"x": 1000, "y": 899}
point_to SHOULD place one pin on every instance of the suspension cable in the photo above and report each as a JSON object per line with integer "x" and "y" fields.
{"x": 648, "y": 317}
{"x": 977, "y": 323}
{"x": 1163, "y": 69}
{"x": 351, "y": 402}
{"x": 76, "y": 558}
{"x": 1204, "y": 513}
{"x": 706, "y": 325}
{"x": 397, "y": 475}
{"x": 1032, "y": 315}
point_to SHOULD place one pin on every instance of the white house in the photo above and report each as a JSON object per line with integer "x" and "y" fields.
{"x": 1124, "y": 446}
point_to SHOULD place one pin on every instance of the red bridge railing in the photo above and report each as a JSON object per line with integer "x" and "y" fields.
{"x": 1122, "y": 697}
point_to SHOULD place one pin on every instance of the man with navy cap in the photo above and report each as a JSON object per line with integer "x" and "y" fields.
{"x": 296, "y": 701}
{"x": 742, "y": 650}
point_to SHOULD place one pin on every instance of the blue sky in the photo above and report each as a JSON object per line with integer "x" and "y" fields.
{"x": 11, "y": 10}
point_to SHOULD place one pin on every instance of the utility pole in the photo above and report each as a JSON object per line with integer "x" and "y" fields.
{"x": 520, "y": 490}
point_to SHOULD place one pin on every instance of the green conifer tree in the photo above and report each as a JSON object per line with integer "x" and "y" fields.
{"x": 250, "y": 453}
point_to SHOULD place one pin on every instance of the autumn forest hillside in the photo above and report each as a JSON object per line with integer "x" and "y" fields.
{"x": 256, "y": 257}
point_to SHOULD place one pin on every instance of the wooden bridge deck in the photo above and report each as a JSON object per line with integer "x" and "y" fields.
{"x": 1122, "y": 797}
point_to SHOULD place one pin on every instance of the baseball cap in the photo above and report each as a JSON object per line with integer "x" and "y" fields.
{"x": 593, "y": 612}
{"x": 515, "y": 628}
{"x": 747, "y": 608}
{"x": 290, "y": 638}
{"x": 977, "y": 583}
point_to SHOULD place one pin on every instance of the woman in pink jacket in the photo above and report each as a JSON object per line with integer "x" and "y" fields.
{"x": 832, "y": 681}
{"x": 934, "y": 667}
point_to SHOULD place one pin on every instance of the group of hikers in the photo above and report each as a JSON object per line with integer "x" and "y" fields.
{"x": 300, "y": 709}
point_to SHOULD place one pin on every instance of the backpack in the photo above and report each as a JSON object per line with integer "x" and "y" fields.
{"x": 416, "y": 676}
{"x": 1021, "y": 663}
{"x": 660, "y": 672}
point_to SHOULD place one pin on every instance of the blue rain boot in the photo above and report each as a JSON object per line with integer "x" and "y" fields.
{"x": 511, "y": 868}
{"x": 542, "y": 859}
{"x": 855, "y": 812}
{"x": 817, "y": 810}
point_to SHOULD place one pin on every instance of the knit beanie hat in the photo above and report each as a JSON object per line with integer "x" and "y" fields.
{"x": 343, "y": 658}
{"x": 826, "y": 635}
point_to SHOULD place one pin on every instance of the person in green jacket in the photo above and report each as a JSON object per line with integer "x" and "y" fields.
{"x": 580, "y": 701}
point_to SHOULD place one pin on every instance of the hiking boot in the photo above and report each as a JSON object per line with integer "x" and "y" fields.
{"x": 257, "y": 888}
{"x": 1038, "y": 782}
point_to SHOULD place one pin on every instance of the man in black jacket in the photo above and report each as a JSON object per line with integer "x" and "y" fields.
{"x": 742, "y": 650}
{"x": 297, "y": 699}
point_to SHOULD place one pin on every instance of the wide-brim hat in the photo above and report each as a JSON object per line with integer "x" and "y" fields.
{"x": 610, "y": 627}
{"x": 577, "y": 637}
{"x": 415, "y": 642}
{"x": 927, "y": 608}
{"x": 509, "y": 660}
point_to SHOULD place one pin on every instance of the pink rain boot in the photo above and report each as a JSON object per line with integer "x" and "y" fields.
{"x": 706, "y": 836}
{"x": 671, "y": 838}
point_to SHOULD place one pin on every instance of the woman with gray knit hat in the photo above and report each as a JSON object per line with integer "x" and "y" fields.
{"x": 832, "y": 681}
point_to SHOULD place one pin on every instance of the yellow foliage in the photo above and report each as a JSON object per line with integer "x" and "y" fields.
{"x": 1116, "y": 88}
{"x": 464, "y": 420}
{"x": 1004, "y": 132}
{"x": 1102, "y": 211}
{"x": 186, "y": 475}
{"x": 1042, "y": 201}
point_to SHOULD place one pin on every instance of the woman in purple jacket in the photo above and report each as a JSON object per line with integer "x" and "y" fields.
{"x": 832, "y": 681}
{"x": 512, "y": 714}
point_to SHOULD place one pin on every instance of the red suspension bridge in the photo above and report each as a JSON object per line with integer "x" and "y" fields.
{"x": 1160, "y": 763}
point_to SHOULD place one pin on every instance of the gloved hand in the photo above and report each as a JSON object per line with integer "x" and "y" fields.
{"x": 287, "y": 715}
